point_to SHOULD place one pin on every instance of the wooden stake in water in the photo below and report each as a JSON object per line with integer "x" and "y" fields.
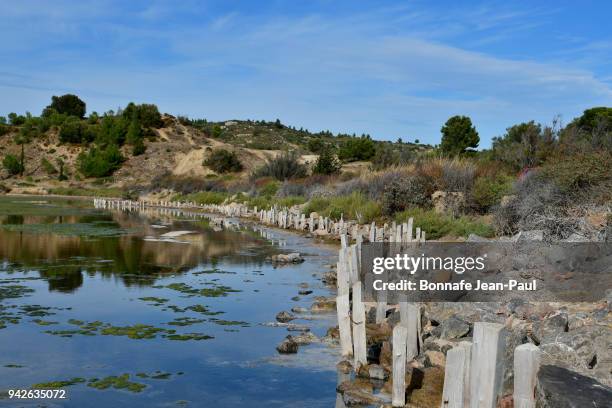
{"x": 526, "y": 366}
{"x": 359, "y": 328}
{"x": 399, "y": 366}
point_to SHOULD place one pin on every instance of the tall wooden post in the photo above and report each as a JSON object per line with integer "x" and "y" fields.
{"x": 456, "y": 392}
{"x": 399, "y": 366}
{"x": 487, "y": 365}
{"x": 526, "y": 366}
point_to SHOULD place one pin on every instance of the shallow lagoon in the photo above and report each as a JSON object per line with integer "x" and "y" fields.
{"x": 89, "y": 295}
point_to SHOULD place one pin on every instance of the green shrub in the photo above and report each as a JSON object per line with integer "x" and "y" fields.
{"x": 327, "y": 163}
{"x": 204, "y": 197}
{"x": 578, "y": 171}
{"x": 488, "y": 190}
{"x": 223, "y": 161}
{"x": 438, "y": 225}
{"x": 48, "y": 167}
{"x": 98, "y": 162}
{"x": 355, "y": 206}
{"x": 72, "y": 131}
{"x": 146, "y": 115}
{"x": 283, "y": 167}
{"x": 12, "y": 164}
{"x": 354, "y": 149}
{"x": 269, "y": 189}
{"x": 406, "y": 192}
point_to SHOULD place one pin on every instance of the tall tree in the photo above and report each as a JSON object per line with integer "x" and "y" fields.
{"x": 68, "y": 104}
{"x": 458, "y": 135}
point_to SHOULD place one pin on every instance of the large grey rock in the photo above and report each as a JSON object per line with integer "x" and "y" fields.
{"x": 531, "y": 235}
{"x": 453, "y": 328}
{"x": 550, "y": 327}
{"x": 558, "y": 387}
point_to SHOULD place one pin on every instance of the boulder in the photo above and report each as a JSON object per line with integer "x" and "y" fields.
{"x": 434, "y": 359}
{"x": 448, "y": 202}
{"x": 287, "y": 258}
{"x": 528, "y": 236}
{"x": 288, "y": 346}
{"x": 284, "y": 317}
{"x": 558, "y": 387}
{"x": 452, "y": 328}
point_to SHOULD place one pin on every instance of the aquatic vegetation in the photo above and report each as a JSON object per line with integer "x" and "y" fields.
{"x": 42, "y": 322}
{"x": 214, "y": 270}
{"x": 215, "y": 291}
{"x": 14, "y": 366}
{"x": 121, "y": 382}
{"x": 37, "y": 310}
{"x": 14, "y": 291}
{"x": 188, "y": 336}
{"x": 60, "y": 383}
{"x": 202, "y": 310}
{"x": 136, "y": 331}
{"x": 156, "y": 300}
{"x": 222, "y": 322}
{"x": 185, "y": 321}
{"x": 157, "y": 375}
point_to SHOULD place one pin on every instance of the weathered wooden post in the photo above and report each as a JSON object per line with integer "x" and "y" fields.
{"x": 399, "y": 366}
{"x": 526, "y": 366}
{"x": 487, "y": 365}
{"x": 343, "y": 305}
{"x": 456, "y": 393}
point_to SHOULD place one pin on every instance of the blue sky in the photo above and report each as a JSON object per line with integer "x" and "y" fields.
{"x": 388, "y": 68}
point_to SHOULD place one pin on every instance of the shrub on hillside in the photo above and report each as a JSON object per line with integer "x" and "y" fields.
{"x": 438, "y": 225}
{"x": 407, "y": 192}
{"x": 12, "y": 164}
{"x": 286, "y": 166}
{"x": 580, "y": 171}
{"x": 98, "y": 162}
{"x": 72, "y": 131}
{"x": 47, "y": 166}
{"x": 354, "y": 206}
{"x": 223, "y": 161}
{"x": 488, "y": 190}
{"x": 146, "y": 115}
{"x": 389, "y": 154}
{"x": 327, "y": 163}
{"x": 357, "y": 148}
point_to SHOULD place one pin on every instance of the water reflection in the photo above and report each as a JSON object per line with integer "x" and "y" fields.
{"x": 63, "y": 246}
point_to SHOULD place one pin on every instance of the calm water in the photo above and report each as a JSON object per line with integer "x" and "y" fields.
{"x": 72, "y": 283}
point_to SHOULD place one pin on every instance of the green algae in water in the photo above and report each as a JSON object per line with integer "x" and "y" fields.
{"x": 42, "y": 322}
{"x": 185, "y": 321}
{"x": 137, "y": 331}
{"x": 156, "y": 300}
{"x": 188, "y": 336}
{"x": 215, "y": 291}
{"x": 59, "y": 384}
{"x": 14, "y": 291}
{"x": 157, "y": 375}
{"x": 121, "y": 382}
{"x": 222, "y": 322}
{"x": 14, "y": 366}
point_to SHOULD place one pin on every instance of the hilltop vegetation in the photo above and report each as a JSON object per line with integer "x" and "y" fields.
{"x": 556, "y": 178}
